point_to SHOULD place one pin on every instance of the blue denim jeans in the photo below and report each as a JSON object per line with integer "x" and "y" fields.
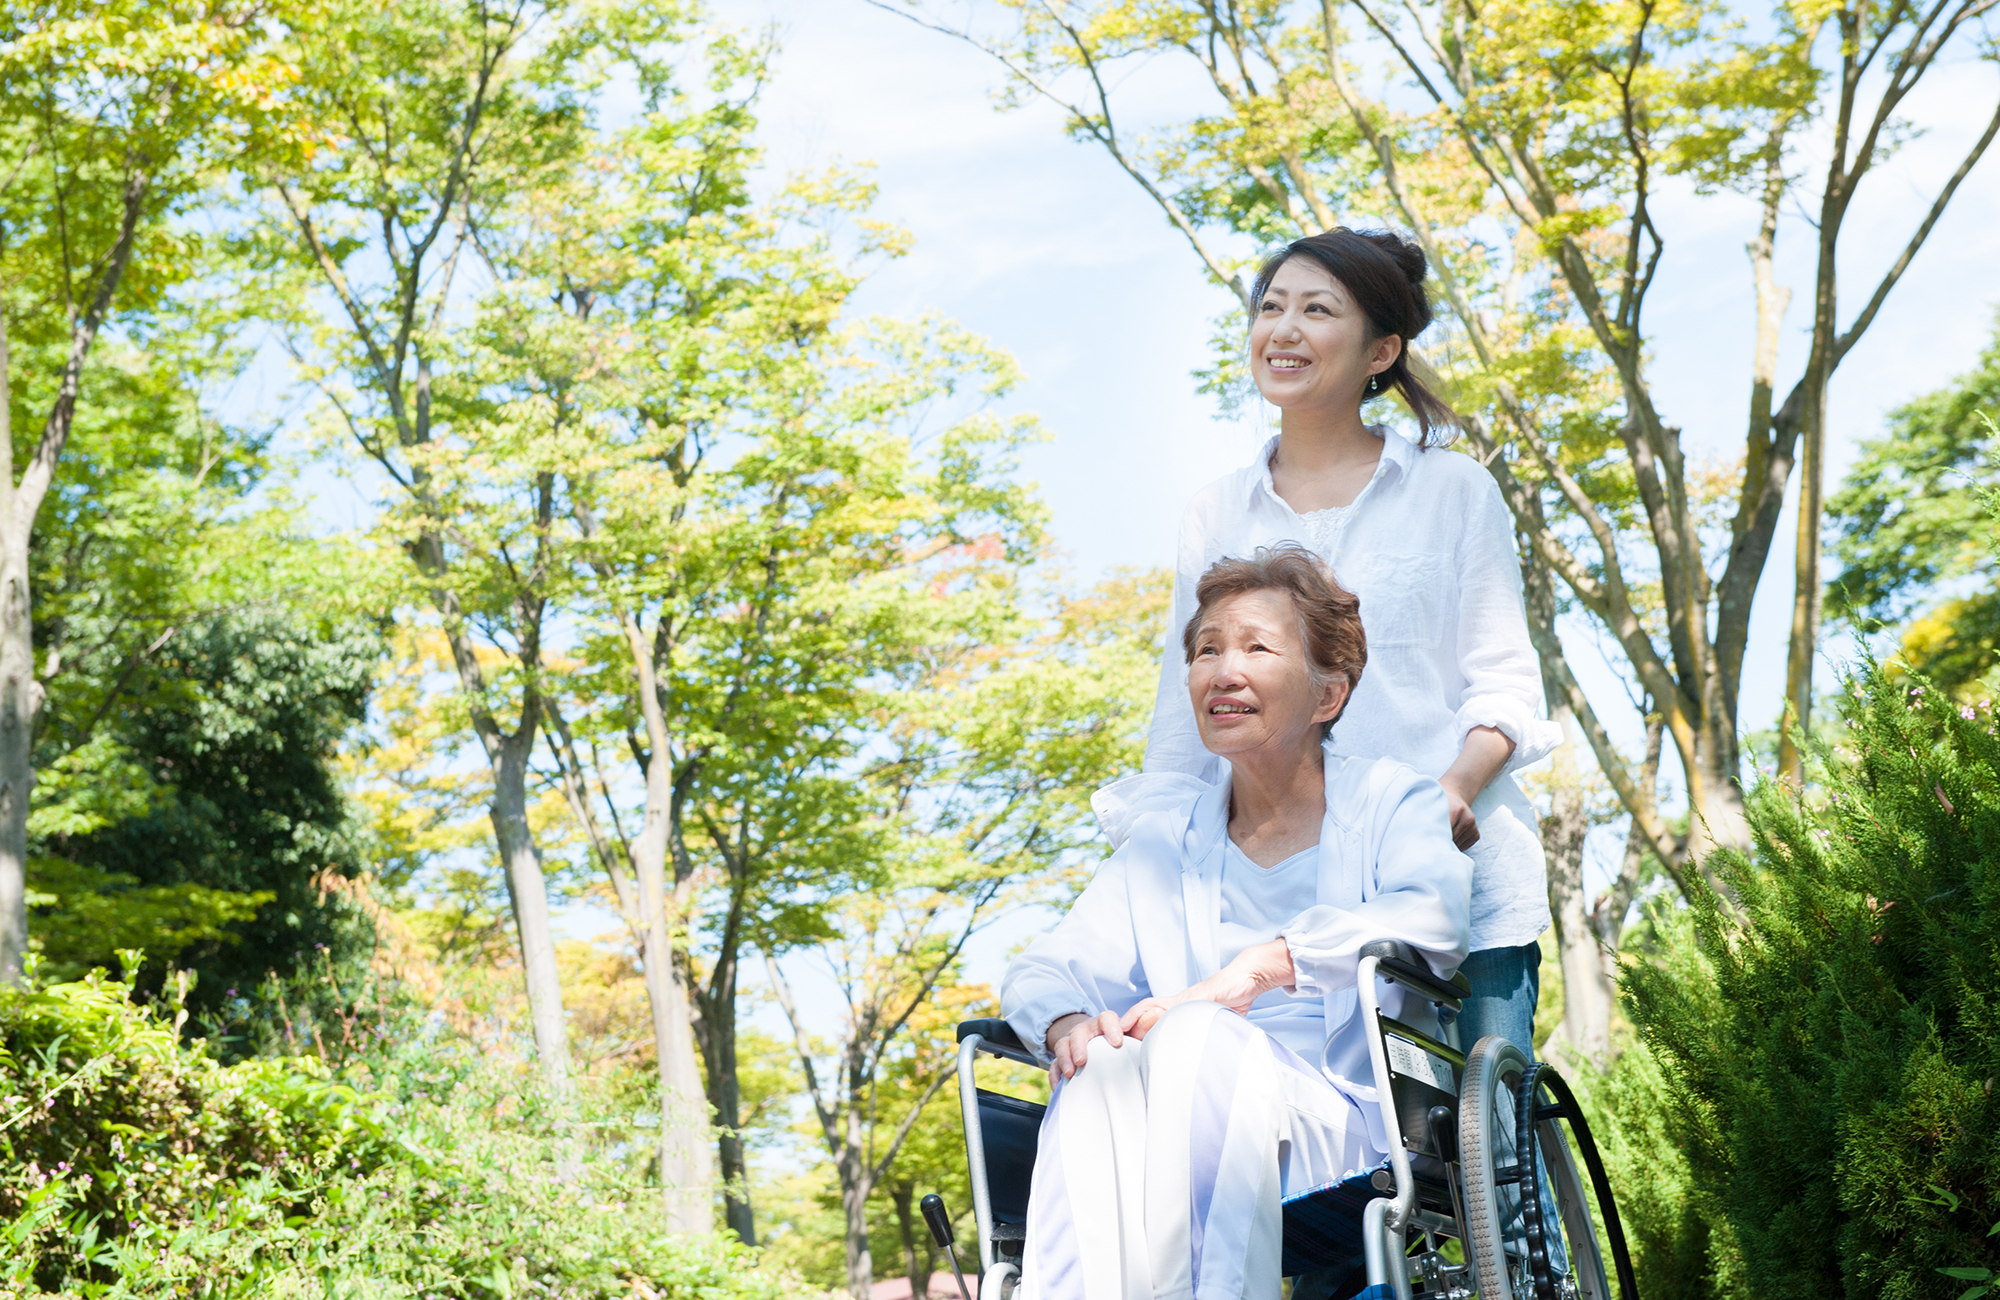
{"x": 1506, "y": 985}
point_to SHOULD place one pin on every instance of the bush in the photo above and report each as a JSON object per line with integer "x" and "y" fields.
{"x": 136, "y": 1165}
{"x": 1826, "y": 1027}
{"x": 1682, "y": 1245}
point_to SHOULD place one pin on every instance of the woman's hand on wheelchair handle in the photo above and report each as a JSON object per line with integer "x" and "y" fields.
{"x": 1069, "y": 1040}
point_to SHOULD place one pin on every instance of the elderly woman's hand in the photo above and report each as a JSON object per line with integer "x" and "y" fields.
{"x": 1256, "y": 971}
{"x": 1069, "y": 1040}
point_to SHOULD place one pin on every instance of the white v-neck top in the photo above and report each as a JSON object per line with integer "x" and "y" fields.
{"x": 1257, "y": 903}
{"x": 1428, "y": 547}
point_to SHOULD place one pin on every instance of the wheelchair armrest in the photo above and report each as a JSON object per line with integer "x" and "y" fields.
{"x": 998, "y": 1037}
{"x": 1397, "y": 960}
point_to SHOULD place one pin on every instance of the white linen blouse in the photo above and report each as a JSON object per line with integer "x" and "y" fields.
{"x": 1149, "y": 922}
{"x": 1428, "y": 547}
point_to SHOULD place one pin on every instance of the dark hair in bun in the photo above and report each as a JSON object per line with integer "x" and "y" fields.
{"x": 1384, "y": 273}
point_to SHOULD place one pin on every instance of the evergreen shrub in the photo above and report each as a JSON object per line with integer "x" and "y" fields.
{"x": 1681, "y": 1242}
{"x": 1824, "y": 1022}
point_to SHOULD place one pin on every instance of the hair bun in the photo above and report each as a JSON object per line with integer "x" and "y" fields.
{"x": 1406, "y": 253}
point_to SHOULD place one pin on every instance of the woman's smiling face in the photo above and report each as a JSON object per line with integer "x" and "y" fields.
{"x": 1251, "y": 681}
{"x": 1310, "y": 344}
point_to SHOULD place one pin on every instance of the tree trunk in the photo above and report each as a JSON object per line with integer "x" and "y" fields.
{"x": 855, "y": 1186}
{"x": 1803, "y": 647}
{"x": 1718, "y": 818}
{"x": 686, "y": 1171}
{"x": 717, "y": 1036}
{"x": 1607, "y": 914}
{"x": 1586, "y": 1022}
{"x": 20, "y": 698}
{"x": 527, "y": 892}
{"x": 20, "y": 701}
{"x": 902, "y": 1194}
{"x": 685, "y": 1178}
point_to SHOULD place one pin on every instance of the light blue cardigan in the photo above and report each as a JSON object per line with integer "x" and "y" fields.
{"x": 1146, "y": 924}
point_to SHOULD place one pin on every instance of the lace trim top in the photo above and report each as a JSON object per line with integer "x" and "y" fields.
{"x": 1324, "y": 528}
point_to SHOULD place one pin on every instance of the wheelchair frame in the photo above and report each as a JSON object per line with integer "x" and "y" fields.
{"x": 1413, "y": 1106}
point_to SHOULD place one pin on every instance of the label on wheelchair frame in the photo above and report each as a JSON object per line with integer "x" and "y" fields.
{"x": 1412, "y": 1061}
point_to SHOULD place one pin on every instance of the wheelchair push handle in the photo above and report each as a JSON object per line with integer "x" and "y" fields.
{"x": 1399, "y": 962}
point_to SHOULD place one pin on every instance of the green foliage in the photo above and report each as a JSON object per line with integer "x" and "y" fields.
{"x": 84, "y": 916}
{"x": 136, "y": 1165}
{"x": 236, "y": 722}
{"x": 109, "y": 1126}
{"x": 1911, "y": 518}
{"x": 1827, "y": 1028}
{"x": 1679, "y": 1235}
{"x": 196, "y": 692}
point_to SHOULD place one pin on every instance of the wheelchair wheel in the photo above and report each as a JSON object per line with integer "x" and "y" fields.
{"x": 1530, "y": 1233}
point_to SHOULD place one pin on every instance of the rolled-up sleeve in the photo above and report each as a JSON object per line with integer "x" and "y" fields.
{"x": 1503, "y": 675}
{"x": 1423, "y": 897}
{"x": 1089, "y": 963}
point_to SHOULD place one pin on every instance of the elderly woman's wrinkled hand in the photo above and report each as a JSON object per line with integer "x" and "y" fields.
{"x": 1256, "y": 971}
{"x": 1069, "y": 1040}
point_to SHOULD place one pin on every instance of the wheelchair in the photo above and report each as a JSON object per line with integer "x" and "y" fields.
{"x": 1454, "y": 1212}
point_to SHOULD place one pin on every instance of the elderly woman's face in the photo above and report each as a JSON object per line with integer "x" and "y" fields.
{"x": 1250, "y": 680}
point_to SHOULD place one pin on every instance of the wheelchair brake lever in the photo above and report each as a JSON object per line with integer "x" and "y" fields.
{"x": 939, "y": 1223}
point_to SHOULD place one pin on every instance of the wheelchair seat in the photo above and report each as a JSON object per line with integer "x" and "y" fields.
{"x": 1323, "y": 1225}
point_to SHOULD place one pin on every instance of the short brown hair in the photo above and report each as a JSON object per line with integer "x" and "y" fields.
{"x": 1329, "y": 614}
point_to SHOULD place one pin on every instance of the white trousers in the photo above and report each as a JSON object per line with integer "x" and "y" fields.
{"x": 1162, "y": 1164}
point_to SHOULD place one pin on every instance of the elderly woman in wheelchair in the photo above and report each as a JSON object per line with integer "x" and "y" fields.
{"x": 1234, "y": 1099}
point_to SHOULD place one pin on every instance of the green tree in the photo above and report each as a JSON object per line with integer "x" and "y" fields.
{"x": 978, "y": 790}
{"x": 412, "y": 130}
{"x": 1910, "y": 518}
{"x": 236, "y": 723}
{"x": 1528, "y": 166}
{"x": 636, "y": 317}
{"x": 1527, "y": 159}
{"x": 194, "y": 693}
{"x": 117, "y": 121}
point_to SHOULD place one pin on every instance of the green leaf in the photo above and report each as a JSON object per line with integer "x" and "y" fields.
{"x": 1969, "y": 1274}
{"x": 1943, "y": 1198}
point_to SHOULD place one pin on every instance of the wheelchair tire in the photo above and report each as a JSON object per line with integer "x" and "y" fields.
{"x": 1586, "y": 1274}
{"x": 1000, "y": 1282}
{"x": 1499, "y": 1242}
{"x": 1495, "y": 1244}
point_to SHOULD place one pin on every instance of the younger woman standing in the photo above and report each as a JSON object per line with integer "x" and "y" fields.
{"x": 1453, "y": 687}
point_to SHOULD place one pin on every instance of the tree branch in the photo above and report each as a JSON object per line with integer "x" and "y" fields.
{"x": 903, "y": 1130}
{"x": 829, "y": 1121}
{"x": 1895, "y": 273}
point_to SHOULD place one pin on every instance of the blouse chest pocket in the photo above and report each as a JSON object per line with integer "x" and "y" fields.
{"x": 1404, "y": 597}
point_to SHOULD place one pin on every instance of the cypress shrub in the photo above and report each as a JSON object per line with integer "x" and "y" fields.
{"x": 1825, "y": 1021}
